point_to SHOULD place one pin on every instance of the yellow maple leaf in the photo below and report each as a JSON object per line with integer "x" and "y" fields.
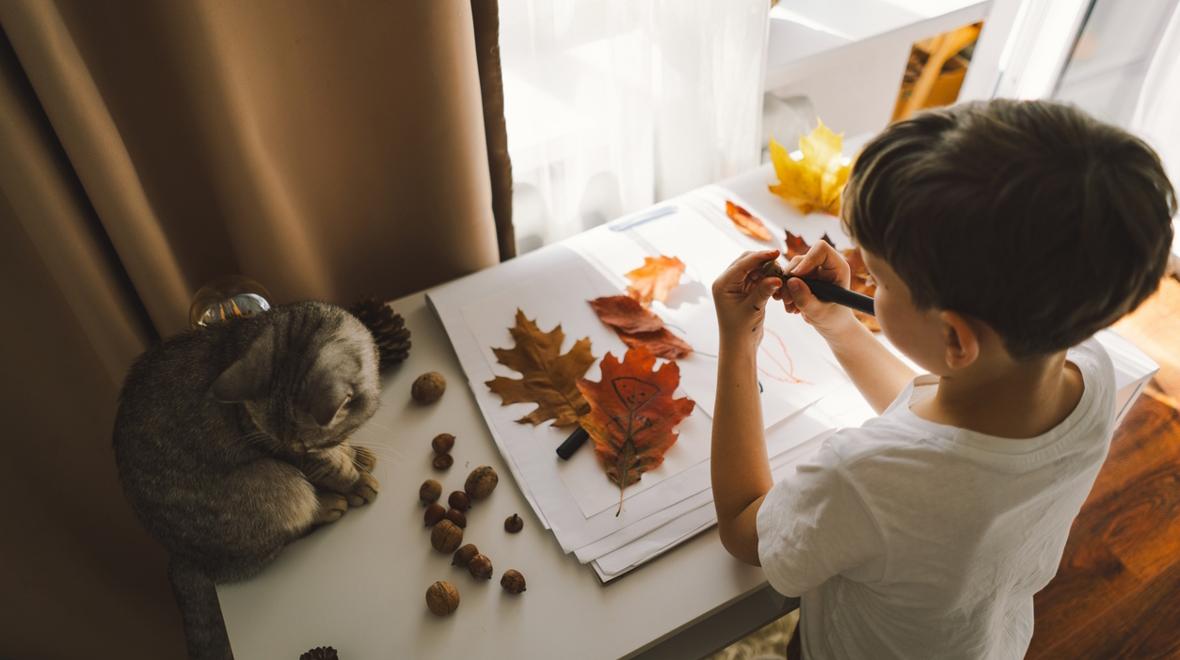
{"x": 815, "y": 181}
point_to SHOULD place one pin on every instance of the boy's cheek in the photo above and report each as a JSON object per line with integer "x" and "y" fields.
{"x": 912, "y": 334}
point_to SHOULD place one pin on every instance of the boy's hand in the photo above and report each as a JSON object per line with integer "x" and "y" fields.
{"x": 821, "y": 262}
{"x": 740, "y": 297}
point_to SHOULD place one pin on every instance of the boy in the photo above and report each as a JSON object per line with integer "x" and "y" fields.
{"x": 1001, "y": 236}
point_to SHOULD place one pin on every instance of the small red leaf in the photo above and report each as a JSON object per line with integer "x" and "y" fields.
{"x": 639, "y": 327}
{"x": 747, "y": 223}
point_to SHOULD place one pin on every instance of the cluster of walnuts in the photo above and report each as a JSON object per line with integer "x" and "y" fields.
{"x": 447, "y": 525}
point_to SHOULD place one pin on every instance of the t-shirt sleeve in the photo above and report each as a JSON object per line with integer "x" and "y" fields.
{"x": 813, "y": 525}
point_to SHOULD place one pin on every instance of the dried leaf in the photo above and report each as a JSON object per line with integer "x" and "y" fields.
{"x": 633, "y": 416}
{"x": 654, "y": 279}
{"x": 639, "y": 327}
{"x": 815, "y": 181}
{"x": 548, "y": 378}
{"x": 748, "y": 223}
{"x": 796, "y": 246}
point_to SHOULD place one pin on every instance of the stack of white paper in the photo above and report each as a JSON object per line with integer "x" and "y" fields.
{"x": 804, "y": 393}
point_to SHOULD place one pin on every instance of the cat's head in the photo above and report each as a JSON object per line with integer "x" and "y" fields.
{"x": 307, "y": 380}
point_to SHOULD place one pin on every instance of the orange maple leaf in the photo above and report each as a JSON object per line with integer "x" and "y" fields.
{"x": 748, "y": 223}
{"x": 816, "y": 180}
{"x": 549, "y": 378}
{"x": 633, "y": 417}
{"x": 639, "y": 327}
{"x": 654, "y": 279}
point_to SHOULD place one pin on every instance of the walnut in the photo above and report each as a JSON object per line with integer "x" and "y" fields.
{"x": 456, "y": 516}
{"x": 512, "y": 581}
{"x": 513, "y": 524}
{"x": 481, "y": 482}
{"x": 434, "y": 513}
{"x": 459, "y": 500}
{"x": 480, "y": 567}
{"x": 442, "y": 443}
{"x": 463, "y": 555}
{"x": 442, "y": 598}
{"x": 429, "y": 491}
{"x": 320, "y": 653}
{"x": 443, "y": 461}
{"x": 428, "y": 387}
{"x": 446, "y": 536}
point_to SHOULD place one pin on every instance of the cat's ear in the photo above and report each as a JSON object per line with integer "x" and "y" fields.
{"x": 329, "y": 401}
{"x": 247, "y": 379}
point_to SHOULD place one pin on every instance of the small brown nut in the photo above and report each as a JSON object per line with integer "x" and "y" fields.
{"x": 459, "y": 500}
{"x": 512, "y": 581}
{"x": 428, "y": 387}
{"x": 442, "y": 598}
{"x": 442, "y": 443}
{"x": 443, "y": 461}
{"x": 481, "y": 482}
{"x": 446, "y": 536}
{"x": 456, "y": 516}
{"x": 463, "y": 555}
{"x": 513, "y": 524}
{"x": 434, "y": 513}
{"x": 480, "y": 567}
{"x": 429, "y": 491}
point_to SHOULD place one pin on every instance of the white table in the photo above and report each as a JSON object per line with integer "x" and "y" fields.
{"x": 359, "y": 584}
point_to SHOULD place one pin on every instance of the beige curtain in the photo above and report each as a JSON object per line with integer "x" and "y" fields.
{"x": 330, "y": 150}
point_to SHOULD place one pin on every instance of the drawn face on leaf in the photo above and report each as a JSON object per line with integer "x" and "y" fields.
{"x": 633, "y": 392}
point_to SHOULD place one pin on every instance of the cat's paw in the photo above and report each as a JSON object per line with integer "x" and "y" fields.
{"x": 332, "y": 507}
{"x": 364, "y": 458}
{"x": 364, "y": 491}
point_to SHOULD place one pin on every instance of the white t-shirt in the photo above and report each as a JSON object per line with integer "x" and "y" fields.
{"x": 910, "y": 539}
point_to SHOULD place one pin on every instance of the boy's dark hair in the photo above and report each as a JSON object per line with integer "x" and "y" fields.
{"x": 1032, "y": 217}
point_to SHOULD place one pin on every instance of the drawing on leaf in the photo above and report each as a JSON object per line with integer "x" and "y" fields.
{"x": 633, "y": 417}
{"x": 549, "y": 378}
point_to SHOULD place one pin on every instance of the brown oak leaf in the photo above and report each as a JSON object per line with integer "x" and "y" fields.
{"x": 633, "y": 417}
{"x": 549, "y": 378}
{"x": 747, "y": 223}
{"x": 654, "y": 279}
{"x": 639, "y": 327}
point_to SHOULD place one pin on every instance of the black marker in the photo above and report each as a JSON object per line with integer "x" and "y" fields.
{"x": 834, "y": 293}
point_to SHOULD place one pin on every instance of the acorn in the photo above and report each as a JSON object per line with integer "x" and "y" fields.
{"x": 442, "y": 443}
{"x": 480, "y": 567}
{"x": 429, "y": 491}
{"x": 513, "y": 524}
{"x": 512, "y": 581}
{"x": 456, "y": 516}
{"x": 446, "y": 536}
{"x": 428, "y": 387}
{"x": 458, "y": 500}
{"x": 442, "y": 461}
{"x": 442, "y": 598}
{"x": 434, "y": 513}
{"x": 463, "y": 555}
{"x": 481, "y": 482}
{"x": 388, "y": 328}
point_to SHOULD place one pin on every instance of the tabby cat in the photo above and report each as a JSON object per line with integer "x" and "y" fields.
{"x": 231, "y": 441}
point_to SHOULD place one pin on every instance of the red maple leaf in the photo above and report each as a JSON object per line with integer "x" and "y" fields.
{"x": 639, "y": 327}
{"x": 633, "y": 417}
{"x": 747, "y": 222}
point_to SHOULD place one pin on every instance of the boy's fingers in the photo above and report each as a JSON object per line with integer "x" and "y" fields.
{"x": 801, "y": 294}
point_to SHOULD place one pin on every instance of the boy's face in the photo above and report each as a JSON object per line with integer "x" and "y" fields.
{"x": 917, "y": 333}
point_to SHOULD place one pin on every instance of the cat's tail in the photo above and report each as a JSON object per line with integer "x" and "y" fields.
{"x": 196, "y": 595}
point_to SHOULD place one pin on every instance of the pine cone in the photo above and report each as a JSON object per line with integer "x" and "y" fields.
{"x": 320, "y": 653}
{"x": 388, "y": 327}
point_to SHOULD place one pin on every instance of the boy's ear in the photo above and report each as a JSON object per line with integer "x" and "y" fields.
{"x": 960, "y": 340}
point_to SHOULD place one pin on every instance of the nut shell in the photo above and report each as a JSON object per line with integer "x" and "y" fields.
{"x": 464, "y": 554}
{"x": 459, "y": 500}
{"x": 481, "y": 482}
{"x": 442, "y": 443}
{"x": 442, "y": 598}
{"x": 512, "y": 581}
{"x": 428, "y": 387}
{"x": 480, "y": 567}
{"x": 446, "y": 536}
{"x": 320, "y": 653}
{"x": 443, "y": 461}
{"x": 429, "y": 491}
{"x": 513, "y": 524}
{"x": 456, "y": 516}
{"x": 434, "y": 513}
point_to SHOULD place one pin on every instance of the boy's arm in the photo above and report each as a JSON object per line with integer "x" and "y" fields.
{"x": 739, "y": 467}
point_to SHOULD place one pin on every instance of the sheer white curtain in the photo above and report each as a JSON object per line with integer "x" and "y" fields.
{"x": 1159, "y": 107}
{"x": 612, "y": 105}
